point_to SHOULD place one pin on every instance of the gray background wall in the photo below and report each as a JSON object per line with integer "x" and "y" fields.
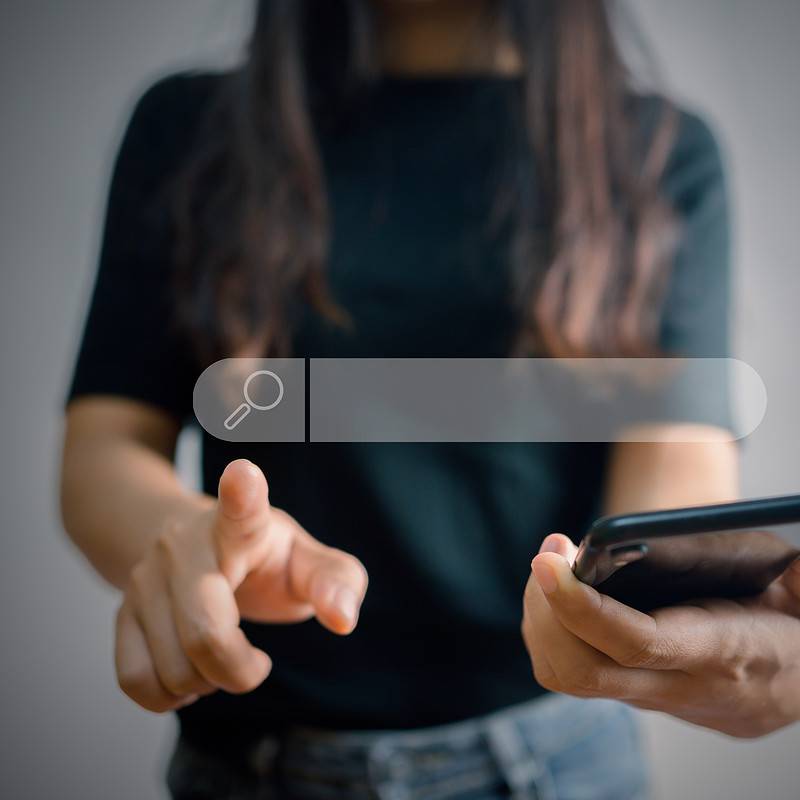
{"x": 68, "y": 73}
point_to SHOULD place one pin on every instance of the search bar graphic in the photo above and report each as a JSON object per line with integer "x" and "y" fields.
{"x": 476, "y": 400}
{"x": 240, "y": 414}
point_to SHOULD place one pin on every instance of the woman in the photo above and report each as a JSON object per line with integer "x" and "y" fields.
{"x": 446, "y": 178}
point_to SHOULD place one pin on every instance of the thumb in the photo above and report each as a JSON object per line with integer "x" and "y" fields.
{"x": 243, "y": 507}
{"x": 563, "y": 545}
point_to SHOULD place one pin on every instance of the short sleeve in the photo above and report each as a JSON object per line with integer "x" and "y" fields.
{"x": 696, "y": 313}
{"x": 131, "y": 346}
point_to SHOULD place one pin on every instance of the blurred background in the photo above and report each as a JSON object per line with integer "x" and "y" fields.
{"x": 68, "y": 75}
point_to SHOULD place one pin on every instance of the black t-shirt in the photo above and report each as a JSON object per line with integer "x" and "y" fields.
{"x": 446, "y": 531}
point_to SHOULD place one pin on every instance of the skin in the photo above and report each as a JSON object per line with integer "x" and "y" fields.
{"x": 191, "y": 566}
{"x": 442, "y": 37}
{"x": 732, "y": 666}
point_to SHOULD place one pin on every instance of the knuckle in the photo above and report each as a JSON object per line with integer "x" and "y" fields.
{"x": 737, "y": 658}
{"x": 736, "y": 671}
{"x": 139, "y": 581}
{"x": 206, "y": 641}
{"x": 583, "y": 680}
{"x": 345, "y": 568}
{"x": 168, "y": 546}
{"x": 359, "y": 572}
{"x": 643, "y": 656}
{"x": 179, "y": 682}
{"x": 349, "y": 564}
{"x": 133, "y": 682}
{"x": 545, "y": 676}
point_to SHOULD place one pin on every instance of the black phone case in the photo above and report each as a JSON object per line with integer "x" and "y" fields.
{"x": 678, "y": 569}
{"x": 653, "y": 560}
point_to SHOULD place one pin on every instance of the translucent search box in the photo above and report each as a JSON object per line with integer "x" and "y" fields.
{"x": 478, "y": 400}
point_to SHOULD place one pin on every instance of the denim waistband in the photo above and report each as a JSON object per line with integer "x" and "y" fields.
{"x": 551, "y": 748}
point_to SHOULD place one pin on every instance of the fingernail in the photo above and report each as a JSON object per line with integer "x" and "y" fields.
{"x": 345, "y": 601}
{"x": 546, "y": 577}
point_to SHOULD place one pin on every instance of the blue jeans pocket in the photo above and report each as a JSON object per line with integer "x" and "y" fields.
{"x": 602, "y": 760}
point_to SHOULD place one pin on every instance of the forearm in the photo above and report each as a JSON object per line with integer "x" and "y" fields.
{"x": 119, "y": 491}
{"x": 670, "y": 472}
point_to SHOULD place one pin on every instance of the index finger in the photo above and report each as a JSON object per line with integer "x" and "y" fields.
{"x": 674, "y": 638}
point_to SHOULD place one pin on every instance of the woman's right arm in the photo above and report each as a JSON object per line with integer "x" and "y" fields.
{"x": 190, "y": 566}
{"x": 119, "y": 488}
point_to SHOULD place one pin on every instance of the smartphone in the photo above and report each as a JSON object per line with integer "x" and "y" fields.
{"x": 650, "y": 560}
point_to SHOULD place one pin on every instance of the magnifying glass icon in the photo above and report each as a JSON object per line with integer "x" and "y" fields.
{"x": 248, "y": 405}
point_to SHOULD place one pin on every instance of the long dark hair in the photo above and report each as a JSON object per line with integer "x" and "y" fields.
{"x": 253, "y": 220}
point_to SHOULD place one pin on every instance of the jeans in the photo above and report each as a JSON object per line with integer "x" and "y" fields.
{"x": 554, "y": 748}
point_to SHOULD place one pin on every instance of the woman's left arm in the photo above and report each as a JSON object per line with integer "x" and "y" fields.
{"x": 733, "y": 666}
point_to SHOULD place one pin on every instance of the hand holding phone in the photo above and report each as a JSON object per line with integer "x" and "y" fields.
{"x": 728, "y": 665}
